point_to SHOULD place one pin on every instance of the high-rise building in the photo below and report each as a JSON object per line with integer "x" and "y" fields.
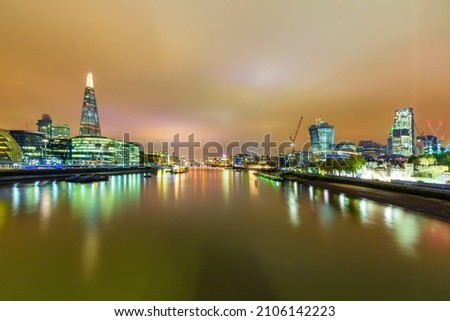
{"x": 90, "y": 124}
{"x": 322, "y": 137}
{"x": 401, "y": 138}
{"x": 45, "y": 125}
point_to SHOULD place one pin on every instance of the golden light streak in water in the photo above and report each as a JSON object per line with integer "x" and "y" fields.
{"x": 226, "y": 185}
{"x": 3, "y": 213}
{"x": 90, "y": 252}
{"x": 294, "y": 216}
{"x": 253, "y": 184}
{"x": 45, "y": 208}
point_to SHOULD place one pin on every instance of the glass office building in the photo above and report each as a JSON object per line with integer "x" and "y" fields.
{"x": 10, "y": 151}
{"x": 90, "y": 123}
{"x": 322, "y": 137}
{"x": 31, "y": 143}
{"x": 60, "y": 131}
{"x": 58, "y": 151}
{"x": 99, "y": 151}
{"x": 44, "y": 125}
{"x": 401, "y": 137}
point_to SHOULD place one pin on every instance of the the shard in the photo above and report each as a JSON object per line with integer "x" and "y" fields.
{"x": 90, "y": 123}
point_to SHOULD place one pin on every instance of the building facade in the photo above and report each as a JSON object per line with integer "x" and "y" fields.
{"x": 401, "y": 137}
{"x": 10, "y": 151}
{"x": 371, "y": 149}
{"x": 60, "y": 131}
{"x": 322, "y": 138}
{"x": 99, "y": 151}
{"x": 44, "y": 125}
{"x": 58, "y": 151}
{"x": 90, "y": 123}
{"x": 32, "y": 145}
{"x": 427, "y": 144}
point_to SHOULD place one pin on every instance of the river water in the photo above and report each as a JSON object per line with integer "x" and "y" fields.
{"x": 213, "y": 234}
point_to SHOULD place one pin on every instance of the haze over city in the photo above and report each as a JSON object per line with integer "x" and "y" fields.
{"x": 227, "y": 70}
{"x": 190, "y": 158}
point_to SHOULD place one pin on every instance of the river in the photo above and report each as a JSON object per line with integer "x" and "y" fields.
{"x": 213, "y": 234}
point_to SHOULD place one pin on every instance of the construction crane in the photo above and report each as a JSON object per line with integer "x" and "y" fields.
{"x": 26, "y": 124}
{"x": 292, "y": 139}
{"x": 435, "y": 131}
{"x": 419, "y": 133}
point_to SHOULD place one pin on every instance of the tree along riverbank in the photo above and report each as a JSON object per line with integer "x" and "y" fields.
{"x": 421, "y": 199}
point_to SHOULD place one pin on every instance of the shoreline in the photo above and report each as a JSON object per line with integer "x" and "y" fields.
{"x": 425, "y": 205}
{"x": 15, "y": 176}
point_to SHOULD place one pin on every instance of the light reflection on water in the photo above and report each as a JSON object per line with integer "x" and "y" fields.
{"x": 292, "y": 199}
{"x": 214, "y": 231}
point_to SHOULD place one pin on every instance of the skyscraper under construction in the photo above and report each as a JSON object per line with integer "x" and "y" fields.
{"x": 90, "y": 123}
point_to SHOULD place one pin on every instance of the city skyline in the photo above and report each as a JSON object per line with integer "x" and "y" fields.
{"x": 185, "y": 69}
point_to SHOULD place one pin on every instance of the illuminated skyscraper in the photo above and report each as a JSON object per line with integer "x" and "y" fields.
{"x": 322, "y": 137}
{"x": 90, "y": 124}
{"x": 45, "y": 125}
{"x": 401, "y": 137}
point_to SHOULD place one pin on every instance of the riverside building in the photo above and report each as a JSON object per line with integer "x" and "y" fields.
{"x": 10, "y": 151}
{"x": 401, "y": 137}
{"x": 322, "y": 138}
{"x": 92, "y": 149}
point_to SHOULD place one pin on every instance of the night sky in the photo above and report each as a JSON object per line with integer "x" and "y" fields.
{"x": 227, "y": 70}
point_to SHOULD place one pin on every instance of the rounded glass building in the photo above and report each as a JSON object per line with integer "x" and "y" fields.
{"x": 10, "y": 151}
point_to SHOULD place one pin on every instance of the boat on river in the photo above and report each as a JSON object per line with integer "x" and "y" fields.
{"x": 272, "y": 177}
{"x": 86, "y": 178}
{"x": 178, "y": 169}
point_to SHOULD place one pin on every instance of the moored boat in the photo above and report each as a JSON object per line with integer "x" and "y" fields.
{"x": 178, "y": 169}
{"x": 272, "y": 177}
{"x": 86, "y": 178}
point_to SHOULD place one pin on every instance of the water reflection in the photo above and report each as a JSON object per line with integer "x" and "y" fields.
{"x": 45, "y": 208}
{"x": 226, "y": 185}
{"x": 436, "y": 235}
{"x": 291, "y": 191}
{"x": 90, "y": 251}
{"x": 15, "y": 199}
{"x": 326, "y": 196}
{"x": 406, "y": 231}
{"x": 404, "y": 227}
{"x": 164, "y": 224}
{"x": 253, "y": 184}
{"x": 3, "y": 213}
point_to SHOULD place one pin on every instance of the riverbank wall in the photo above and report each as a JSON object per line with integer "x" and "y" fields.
{"x": 17, "y": 175}
{"x": 438, "y": 191}
{"x": 435, "y": 203}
